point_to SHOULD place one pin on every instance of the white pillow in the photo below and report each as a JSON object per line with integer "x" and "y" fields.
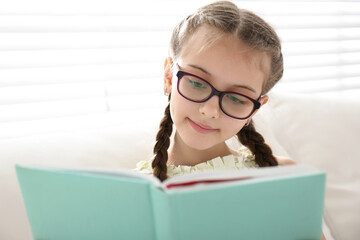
{"x": 325, "y": 133}
{"x": 121, "y": 144}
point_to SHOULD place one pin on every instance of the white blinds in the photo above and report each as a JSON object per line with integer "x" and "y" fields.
{"x": 76, "y": 57}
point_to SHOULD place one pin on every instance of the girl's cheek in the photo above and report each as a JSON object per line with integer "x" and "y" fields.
{"x": 179, "y": 106}
{"x": 233, "y": 125}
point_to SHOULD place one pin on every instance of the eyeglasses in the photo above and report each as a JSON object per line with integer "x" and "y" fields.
{"x": 196, "y": 89}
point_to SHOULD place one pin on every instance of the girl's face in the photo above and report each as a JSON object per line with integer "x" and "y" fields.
{"x": 228, "y": 65}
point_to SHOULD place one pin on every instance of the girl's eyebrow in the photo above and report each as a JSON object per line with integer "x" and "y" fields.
{"x": 245, "y": 87}
{"x": 200, "y": 68}
{"x": 209, "y": 74}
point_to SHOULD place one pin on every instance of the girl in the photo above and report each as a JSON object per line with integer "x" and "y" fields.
{"x": 222, "y": 61}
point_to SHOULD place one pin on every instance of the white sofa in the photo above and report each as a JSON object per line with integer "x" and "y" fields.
{"x": 323, "y": 132}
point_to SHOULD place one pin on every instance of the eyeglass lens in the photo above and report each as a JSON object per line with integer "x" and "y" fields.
{"x": 198, "y": 90}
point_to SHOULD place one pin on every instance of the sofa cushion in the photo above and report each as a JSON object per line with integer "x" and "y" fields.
{"x": 113, "y": 142}
{"x": 323, "y": 132}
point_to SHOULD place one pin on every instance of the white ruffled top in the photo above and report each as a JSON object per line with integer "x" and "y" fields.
{"x": 244, "y": 160}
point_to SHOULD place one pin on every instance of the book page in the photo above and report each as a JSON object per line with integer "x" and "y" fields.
{"x": 221, "y": 176}
{"x": 104, "y": 171}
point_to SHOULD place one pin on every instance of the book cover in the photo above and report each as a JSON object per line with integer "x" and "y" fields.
{"x": 266, "y": 203}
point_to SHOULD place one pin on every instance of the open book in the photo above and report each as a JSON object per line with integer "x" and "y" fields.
{"x": 267, "y": 203}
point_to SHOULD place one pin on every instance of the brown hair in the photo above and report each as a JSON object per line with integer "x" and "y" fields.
{"x": 251, "y": 30}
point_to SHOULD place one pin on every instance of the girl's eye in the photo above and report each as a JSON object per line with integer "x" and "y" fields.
{"x": 197, "y": 84}
{"x": 235, "y": 99}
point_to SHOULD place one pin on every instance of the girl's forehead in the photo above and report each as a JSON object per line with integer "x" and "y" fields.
{"x": 207, "y": 39}
{"x": 201, "y": 39}
{"x": 225, "y": 56}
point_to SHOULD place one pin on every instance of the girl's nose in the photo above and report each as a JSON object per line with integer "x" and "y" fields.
{"x": 210, "y": 108}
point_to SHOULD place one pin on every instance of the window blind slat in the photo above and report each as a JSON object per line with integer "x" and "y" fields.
{"x": 317, "y": 73}
{"x": 82, "y": 40}
{"x": 314, "y": 22}
{"x": 301, "y": 8}
{"x": 53, "y": 92}
{"x": 84, "y": 74}
{"x": 131, "y": 86}
{"x": 158, "y": 7}
{"x": 26, "y": 59}
{"x": 321, "y": 47}
{"x": 323, "y": 85}
{"x": 51, "y": 109}
{"x": 321, "y": 34}
{"x": 86, "y": 23}
{"x": 335, "y": 59}
{"x": 148, "y": 101}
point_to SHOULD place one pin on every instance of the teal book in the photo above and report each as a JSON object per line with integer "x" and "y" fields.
{"x": 281, "y": 203}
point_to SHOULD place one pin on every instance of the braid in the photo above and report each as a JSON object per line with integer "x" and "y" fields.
{"x": 162, "y": 144}
{"x": 253, "y": 140}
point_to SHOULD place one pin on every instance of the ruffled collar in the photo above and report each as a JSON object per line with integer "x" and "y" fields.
{"x": 244, "y": 160}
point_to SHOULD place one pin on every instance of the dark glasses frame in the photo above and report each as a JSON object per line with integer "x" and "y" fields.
{"x": 180, "y": 74}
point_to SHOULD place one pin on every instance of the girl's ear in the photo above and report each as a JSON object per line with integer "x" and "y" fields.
{"x": 168, "y": 75}
{"x": 264, "y": 99}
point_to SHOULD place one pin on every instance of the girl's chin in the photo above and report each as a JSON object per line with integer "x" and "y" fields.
{"x": 195, "y": 139}
{"x": 196, "y": 145}
{"x": 199, "y": 143}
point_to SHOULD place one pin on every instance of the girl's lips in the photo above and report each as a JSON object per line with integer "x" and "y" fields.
{"x": 201, "y": 128}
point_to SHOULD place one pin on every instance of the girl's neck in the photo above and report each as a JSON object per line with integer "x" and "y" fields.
{"x": 182, "y": 154}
